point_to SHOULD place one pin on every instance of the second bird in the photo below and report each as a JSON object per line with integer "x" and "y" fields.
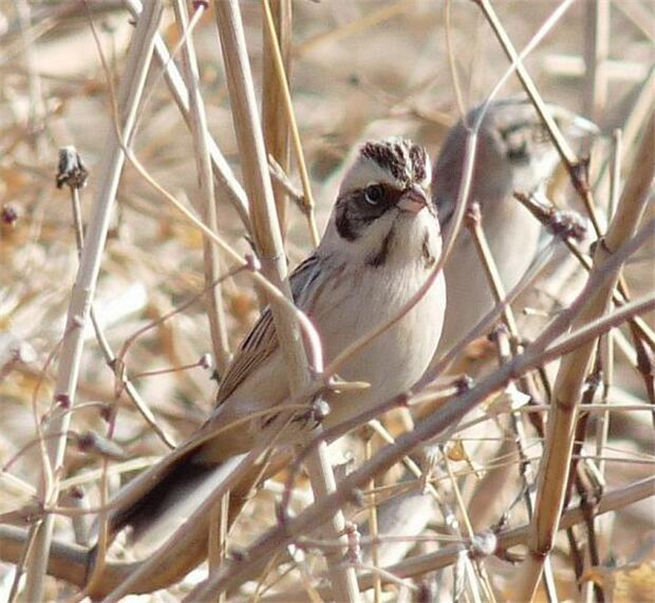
{"x": 514, "y": 153}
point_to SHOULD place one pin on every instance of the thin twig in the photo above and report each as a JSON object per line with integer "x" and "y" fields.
{"x": 132, "y": 85}
{"x": 597, "y": 37}
{"x": 570, "y": 378}
{"x": 225, "y": 179}
{"x": 68, "y": 561}
{"x": 199, "y": 130}
{"x": 293, "y": 126}
{"x": 73, "y": 173}
{"x": 274, "y": 122}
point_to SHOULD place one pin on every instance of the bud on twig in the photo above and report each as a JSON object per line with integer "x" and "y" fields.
{"x": 71, "y": 170}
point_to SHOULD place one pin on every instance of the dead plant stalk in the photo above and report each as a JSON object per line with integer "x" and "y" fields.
{"x": 228, "y": 185}
{"x": 268, "y": 242}
{"x": 556, "y": 461}
{"x": 207, "y": 196}
{"x": 131, "y": 89}
{"x": 68, "y": 561}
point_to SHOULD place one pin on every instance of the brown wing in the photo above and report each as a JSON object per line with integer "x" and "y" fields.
{"x": 261, "y": 342}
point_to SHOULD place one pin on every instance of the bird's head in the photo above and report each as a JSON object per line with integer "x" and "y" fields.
{"x": 383, "y": 200}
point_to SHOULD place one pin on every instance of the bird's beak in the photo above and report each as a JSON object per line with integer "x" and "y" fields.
{"x": 413, "y": 200}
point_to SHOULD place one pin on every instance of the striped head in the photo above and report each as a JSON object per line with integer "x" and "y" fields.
{"x": 383, "y": 202}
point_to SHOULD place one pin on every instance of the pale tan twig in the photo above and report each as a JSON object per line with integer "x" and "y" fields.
{"x": 373, "y": 519}
{"x": 199, "y": 130}
{"x": 640, "y": 16}
{"x": 561, "y": 421}
{"x": 596, "y": 51}
{"x": 274, "y": 122}
{"x": 631, "y": 128}
{"x": 228, "y": 185}
{"x": 132, "y": 85}
{"x": 282, "y": 180}
{"x": 278, "y": 63}
{"x": 75, "y": 184}
{"x": 473, "y": 570}
{"x": 452, "y": 66}
{"x": 474, "y": 224}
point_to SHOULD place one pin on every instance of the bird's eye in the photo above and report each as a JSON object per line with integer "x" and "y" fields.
{"x": 373, "y": 194}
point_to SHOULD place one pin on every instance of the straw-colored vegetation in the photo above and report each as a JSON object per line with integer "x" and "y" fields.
{"x": 159, "y": 242}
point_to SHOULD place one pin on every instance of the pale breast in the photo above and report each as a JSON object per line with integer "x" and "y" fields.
{"x": 396, "y": 359}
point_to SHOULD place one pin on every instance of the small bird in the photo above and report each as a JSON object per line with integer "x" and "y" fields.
{"x": 514, "y": 153}
{"x": 381, "y": 243}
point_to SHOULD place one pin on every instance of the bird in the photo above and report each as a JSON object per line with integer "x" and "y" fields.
{"x": 380, "y": 245}
{"x": 514, "y": 152}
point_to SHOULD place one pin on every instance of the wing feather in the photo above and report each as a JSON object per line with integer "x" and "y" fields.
{"x": 261, "y": 341}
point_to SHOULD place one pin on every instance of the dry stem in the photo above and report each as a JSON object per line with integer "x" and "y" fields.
{"x": 556, "y": 462}
{"x": 199, "y": 129}
{"x": 132, "y": 85}
{"x": 268, "y": 241}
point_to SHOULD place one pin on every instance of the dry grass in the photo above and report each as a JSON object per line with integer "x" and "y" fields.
{"x": 358, "y": 70}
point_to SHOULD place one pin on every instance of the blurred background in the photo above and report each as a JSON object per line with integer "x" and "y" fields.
{"x": 360, "y": 69}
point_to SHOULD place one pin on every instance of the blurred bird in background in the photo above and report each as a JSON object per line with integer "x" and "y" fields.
{"x": 514, "y": 153}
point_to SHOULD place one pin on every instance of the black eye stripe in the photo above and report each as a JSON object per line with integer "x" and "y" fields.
{"x": 354, "y": 213}
{"x": 388, "y": 195}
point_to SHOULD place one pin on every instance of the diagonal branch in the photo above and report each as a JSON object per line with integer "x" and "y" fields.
{"x": 556, "y": 461}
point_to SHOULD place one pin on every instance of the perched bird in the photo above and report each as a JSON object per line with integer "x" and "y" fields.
{"x": 514, "y": 153}
{"x": 381, "y": 243}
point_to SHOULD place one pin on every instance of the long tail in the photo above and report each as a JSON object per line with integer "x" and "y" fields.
{"x": 174, "y": 488}
{"x": 156, "y": 502}
{"x": 157, "y": 492}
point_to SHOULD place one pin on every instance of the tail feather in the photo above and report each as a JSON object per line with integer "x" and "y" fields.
{"x": 152, "y": 495}
{"x": 181, "y": 477}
